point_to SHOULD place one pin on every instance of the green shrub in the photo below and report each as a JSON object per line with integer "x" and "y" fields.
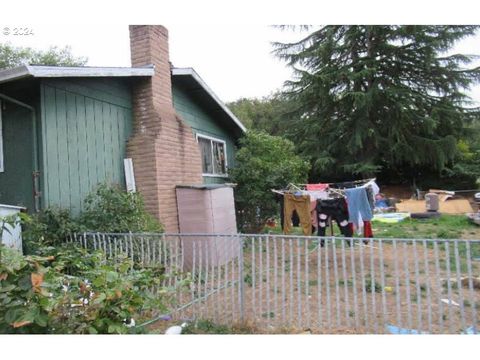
{"x": 48, "y": 228}
{"x": 263, "y": 162}
{"x": 74, "y": 292}
{"x": 111, "y": 209}
{"x": 107, "y": 209}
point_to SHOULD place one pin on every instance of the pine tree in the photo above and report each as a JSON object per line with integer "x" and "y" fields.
{"x": 371, "y": 98}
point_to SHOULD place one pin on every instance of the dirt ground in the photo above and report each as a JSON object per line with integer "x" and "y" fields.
{"x": 405, "y": 192}
{"x": 300, "y": 287}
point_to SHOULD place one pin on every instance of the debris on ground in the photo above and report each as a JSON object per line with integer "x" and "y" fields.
{"x": 392, "y": 329}
{"x": 449, "y": 302}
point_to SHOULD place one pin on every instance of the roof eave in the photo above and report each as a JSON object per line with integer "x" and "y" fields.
{"x": 191, "y": 72}
{"x": 14, "y": 74}
{"x": 62, "y": 72}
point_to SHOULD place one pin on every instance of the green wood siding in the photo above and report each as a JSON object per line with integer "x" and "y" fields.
{"x": 85, "y": 126}
{"x": 204, "y": 123}
{"x": 16, "y": 186}
{"x": 16, "y": 182}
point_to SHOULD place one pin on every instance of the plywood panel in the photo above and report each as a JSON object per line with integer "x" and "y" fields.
{"x": 454, "y": 206}
{"x": 208, "y": 211}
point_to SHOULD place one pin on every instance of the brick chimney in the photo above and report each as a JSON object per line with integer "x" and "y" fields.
{"x": 163, "y": 147}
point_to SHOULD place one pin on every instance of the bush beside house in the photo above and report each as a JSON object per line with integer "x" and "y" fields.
{"x": 63, "y": 289}
{"x": 263, "y": 162}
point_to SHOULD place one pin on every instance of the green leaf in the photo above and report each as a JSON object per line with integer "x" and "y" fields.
{"x": 7, "y": 288}
{"x": 99, "y": 299}
{"x": 13, "y": 315}
{"x": 41, "y": 320}
{"x": 25, "y": 282}
{"x": 112, "y": 276}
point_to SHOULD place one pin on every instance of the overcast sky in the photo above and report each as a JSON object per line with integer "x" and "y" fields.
{"x": 234, "y": 60}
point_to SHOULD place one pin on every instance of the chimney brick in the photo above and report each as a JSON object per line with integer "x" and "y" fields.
{"x": 163, "y": 148}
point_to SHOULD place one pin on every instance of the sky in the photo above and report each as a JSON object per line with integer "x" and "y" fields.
{"x": 236, "y": 61}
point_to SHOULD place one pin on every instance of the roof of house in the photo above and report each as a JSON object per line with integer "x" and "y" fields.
{"x": 195, "y": 83}
{"x": 41, "y": 71}
{"x": 188, "y": 76}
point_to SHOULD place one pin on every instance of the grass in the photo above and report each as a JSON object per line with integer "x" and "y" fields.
{"x": 444, "y": 227}
{"x": 209, "y": 327}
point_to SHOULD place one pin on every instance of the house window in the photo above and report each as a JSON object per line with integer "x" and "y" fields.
{"x": 214, "y": 156}
{"x": 1, "y": 140}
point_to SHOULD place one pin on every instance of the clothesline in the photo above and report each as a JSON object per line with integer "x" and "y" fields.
{"x": 334, "y": 190}
{"x": 314, "y": 206}
{"x": 351, "y": 182}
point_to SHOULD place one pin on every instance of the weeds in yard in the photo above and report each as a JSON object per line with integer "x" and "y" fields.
{"x": 341, "y": 282}
{"x": 270, "y": 315}
{"x": 209, "y": 327}
{"x": 375, "y": 286}
{"x": 206, "y": 327}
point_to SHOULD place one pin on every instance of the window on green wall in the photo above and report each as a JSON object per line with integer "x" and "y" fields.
{"x": 214, "y": 156}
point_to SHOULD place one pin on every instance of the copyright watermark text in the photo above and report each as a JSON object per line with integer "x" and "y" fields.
{"x": 16, "y": 31}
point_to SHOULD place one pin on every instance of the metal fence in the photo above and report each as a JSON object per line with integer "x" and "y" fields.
{"x": 328, "y": 285}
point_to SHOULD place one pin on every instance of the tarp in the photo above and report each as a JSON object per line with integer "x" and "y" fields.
{"x": 391, "y": 217}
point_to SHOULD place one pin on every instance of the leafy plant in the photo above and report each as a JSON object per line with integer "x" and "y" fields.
{"x": 264, "y": 162}
{"x": 48, "y": 228}
{"x": 107, "y": 209}
{"x": 72, "y": 291}
{"x": 111, "y": 209}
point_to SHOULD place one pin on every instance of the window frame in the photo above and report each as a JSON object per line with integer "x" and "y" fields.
{"x": 2, "y": 159}
{"x": 213, "y": 139}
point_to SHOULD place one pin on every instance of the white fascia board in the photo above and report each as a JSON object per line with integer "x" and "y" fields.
{"x": 198, "y": 79}
{"x": 85, "y": 71}
{"x": 64, "y": 71}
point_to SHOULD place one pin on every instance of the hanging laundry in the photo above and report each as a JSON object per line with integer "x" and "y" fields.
{"x": 295, "y": 219}
{"x": 359, "y": 208}
{"x": 336, "y": 209}
{"x": 316, "y": 187}
{"x": 313, "y": 214}
{"x": 370, "y": 196}
{"x": 374, "y": 186}
{"x": 367, "y": 229}
{"x": 302, "y": 205}
{"x": 317, "y": 191}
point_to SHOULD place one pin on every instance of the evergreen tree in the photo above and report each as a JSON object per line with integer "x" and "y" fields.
{"x": 373, "y": 98}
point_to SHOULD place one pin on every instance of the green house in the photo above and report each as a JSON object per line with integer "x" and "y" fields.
{"x": 64, "y": 130}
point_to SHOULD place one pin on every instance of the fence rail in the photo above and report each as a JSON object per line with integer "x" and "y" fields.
{"x": 328, "y": 285}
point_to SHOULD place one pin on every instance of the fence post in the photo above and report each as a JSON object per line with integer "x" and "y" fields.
{"x": 241, "y": 295}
